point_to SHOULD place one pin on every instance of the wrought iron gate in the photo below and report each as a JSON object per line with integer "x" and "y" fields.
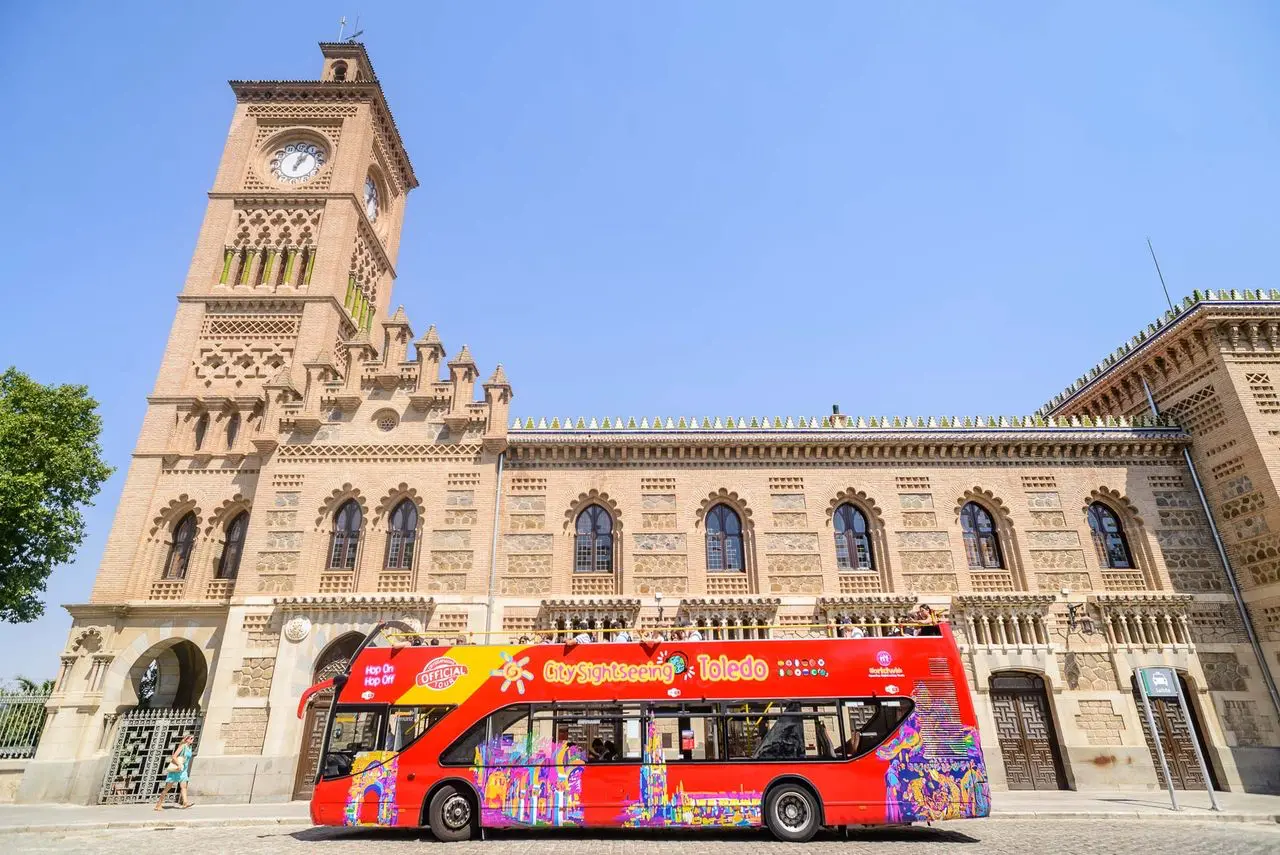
{"x": 144, "y": 741}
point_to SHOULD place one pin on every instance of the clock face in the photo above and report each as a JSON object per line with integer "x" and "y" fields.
{"x": 297, "y": 161}
{"x": 371, "y": 198}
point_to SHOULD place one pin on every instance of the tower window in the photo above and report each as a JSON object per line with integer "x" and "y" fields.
{"x": 233, "y": 430}
{"x": 339, "y": 71}
{"x": 184, "y": 538}
{"x": 402, "y": 536}
{"x": 202, "y": 427}
{"x": 346, "y": 536}
{"x": 233, "y": 547}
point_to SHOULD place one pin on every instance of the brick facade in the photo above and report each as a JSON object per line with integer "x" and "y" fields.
{"x": 284, "y": 330}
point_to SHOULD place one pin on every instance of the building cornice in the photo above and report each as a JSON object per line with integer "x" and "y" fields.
{"x": 846, "y": 444}
{"x": 1160, "y": 334}
{"x": 85, "y": 611}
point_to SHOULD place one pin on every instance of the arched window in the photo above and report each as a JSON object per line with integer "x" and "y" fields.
{"x": 184, "y": 538}
{"x": 724, "y": 540}
{"x": 202, "y": 427}
{"x": 981, "y": 543}
{"x": 593, "y": 541}
{"x": 402, "y": 536}
{"x": 233, "y": 546}
{"x": 339, "y": 72}
{"x": 853, "y": 546}
{"x": 1108, "y": 538}
{"x": 233, "y": 430}
{"x": 346, "y": 536}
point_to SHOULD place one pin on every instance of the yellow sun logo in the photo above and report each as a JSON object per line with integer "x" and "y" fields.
{"x": 512, "y": 671}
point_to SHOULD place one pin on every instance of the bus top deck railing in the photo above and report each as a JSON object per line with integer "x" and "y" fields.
{"x": 663, "y": 634}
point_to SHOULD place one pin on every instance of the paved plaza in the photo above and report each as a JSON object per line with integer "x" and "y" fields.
{"x": 1043, "y": 836}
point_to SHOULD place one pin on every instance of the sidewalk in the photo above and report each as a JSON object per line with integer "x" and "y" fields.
{"x": 1236, "y": 807}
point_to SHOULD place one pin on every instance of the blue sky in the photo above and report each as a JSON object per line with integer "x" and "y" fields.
{"x": 670, "y": 208}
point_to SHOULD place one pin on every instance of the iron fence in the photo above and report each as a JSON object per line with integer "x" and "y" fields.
{"x": 21, "y": 721}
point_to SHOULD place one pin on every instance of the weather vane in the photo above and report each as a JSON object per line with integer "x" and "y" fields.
{"x": 342, "y": 27}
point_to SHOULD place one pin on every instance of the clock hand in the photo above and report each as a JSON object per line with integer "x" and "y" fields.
{"x": 297, "y": 163}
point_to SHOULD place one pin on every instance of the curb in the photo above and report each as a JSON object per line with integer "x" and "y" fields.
{"x": 156, "y": 824}
{"x": 1199, "y": 815}
{"x": 245, "y": 822}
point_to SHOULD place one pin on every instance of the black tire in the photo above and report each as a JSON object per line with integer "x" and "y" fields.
{"x": 791, "y": 813}
{"x": 451, "y": 813}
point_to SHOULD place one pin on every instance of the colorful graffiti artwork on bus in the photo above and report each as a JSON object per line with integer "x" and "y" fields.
{"x": 658, "y": 808}
{"x": 529, "y": 786}
{"x": 371, "y": 798}
{"x": 947, "y": 781}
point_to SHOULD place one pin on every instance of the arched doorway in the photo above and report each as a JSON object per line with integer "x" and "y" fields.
{"x": 1024, "y": 728}
{"x": 160, "y": 706}
{"x": 332, "y": 661}
{"x": 1176, "y": 734}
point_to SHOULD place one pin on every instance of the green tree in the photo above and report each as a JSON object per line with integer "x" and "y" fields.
{"x": 27, "y": 686}
{"x": 50, "y": 465}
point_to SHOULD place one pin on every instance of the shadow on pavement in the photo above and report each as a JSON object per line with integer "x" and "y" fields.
{"x": 897, "y": 834}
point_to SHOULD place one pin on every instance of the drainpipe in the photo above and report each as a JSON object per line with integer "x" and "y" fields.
{"x": 493, "y": 550}
{"x": 1226, "y": 563}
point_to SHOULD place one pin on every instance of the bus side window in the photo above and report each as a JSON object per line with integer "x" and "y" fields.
{"x": 869, "y": 722}
{"x": 688, "y": 733}
{"x": 503, "y": 734}
{"x": 407, "y": 724}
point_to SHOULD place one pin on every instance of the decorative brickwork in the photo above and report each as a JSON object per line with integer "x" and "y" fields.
{"x": 1225, "y": 672}
{"x": 1100, "y": 723}
{"x": 253, "y": 679}
{"x": 1088, "y": 671}
{"x": 245, "y": 731}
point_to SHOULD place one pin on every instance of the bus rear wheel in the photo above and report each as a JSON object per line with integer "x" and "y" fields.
{"x": 451, "y": 814}
{"x": 791, "y": 812}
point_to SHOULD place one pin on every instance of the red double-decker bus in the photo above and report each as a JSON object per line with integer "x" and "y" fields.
{"x": 791, "y": 734}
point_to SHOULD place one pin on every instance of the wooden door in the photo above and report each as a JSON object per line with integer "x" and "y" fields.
{"x": 1025, "y": 731}
{"x": 312, "y": 743}
{"x": 1176, "y": 734}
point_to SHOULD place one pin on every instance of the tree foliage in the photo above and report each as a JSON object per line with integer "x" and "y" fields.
{"x": 50, "y": 465}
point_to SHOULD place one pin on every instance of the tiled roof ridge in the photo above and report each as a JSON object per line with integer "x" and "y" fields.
{"x": 1196, "y": 298}
{"x": 840, "y": 423}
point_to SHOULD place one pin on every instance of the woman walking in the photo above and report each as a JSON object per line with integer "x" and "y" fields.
{"x": 177, "y": 772}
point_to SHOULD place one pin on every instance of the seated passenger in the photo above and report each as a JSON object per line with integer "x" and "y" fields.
{"x": 610, "y": 751}
{"x": 596, "y": 753}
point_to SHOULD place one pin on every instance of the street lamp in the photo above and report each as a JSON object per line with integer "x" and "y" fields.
{"x": 657, "y": 598}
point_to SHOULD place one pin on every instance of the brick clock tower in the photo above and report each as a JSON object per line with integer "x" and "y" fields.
{"x": 293, "y": 267}
{"x": 290, "y": 280}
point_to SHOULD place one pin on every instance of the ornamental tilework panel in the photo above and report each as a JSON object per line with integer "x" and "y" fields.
{"x": 1088, "y": 671}
{"x": 1100, "y": 723}
{"x": 658, "y": 502}
{"x": 661, "y": 522}
{"x": 1224, "y": 672}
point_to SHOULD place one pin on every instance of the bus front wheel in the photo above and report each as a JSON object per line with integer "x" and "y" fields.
{"x": 791, "y": 812}
{"x": 451, "y": 814}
